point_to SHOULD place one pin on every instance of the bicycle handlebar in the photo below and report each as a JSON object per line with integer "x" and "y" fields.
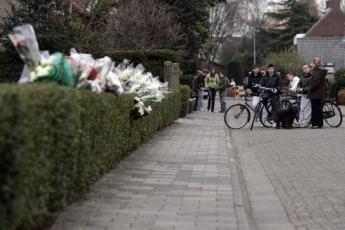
{"x": 265, "y": 88}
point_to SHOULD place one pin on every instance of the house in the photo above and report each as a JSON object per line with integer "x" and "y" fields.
{"x": 326, "y": 39}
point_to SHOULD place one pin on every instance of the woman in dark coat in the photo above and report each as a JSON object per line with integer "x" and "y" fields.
{"x": 302, "y": 90}
{"x": 317, "y": 93}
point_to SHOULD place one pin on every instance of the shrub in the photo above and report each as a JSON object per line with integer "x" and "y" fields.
{"x": 331, "y": 88}
{"x": 285, "y": 61}
{"x": 339, "y": 83}
{"x": 341, "y": 97}
{"x": 187, "y": 80}
{"x": 56, "y": 141}
{"x": 185, "y": 95}
{"x": 235, "y": 71}
{"x": 340, "y": 77}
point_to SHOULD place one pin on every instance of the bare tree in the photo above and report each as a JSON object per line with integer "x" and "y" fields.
{"x": 223, "y": 20}
{"x": 143, "y": 24}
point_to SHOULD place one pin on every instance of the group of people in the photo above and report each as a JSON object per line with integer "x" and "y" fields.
{"x": 311, "y": 86}
{"x": 212, "y": 82}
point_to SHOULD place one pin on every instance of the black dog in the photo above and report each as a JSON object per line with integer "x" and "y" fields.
{"x": 285, "y": 117}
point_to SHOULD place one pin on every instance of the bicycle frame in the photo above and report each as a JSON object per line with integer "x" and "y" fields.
{"x": 246, "y": 107}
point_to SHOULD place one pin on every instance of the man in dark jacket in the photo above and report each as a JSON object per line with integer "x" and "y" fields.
{"x": 224, "y": 83}
{"x": 272, "y": 80}
{"x": 198, "y": 88}
{"x": 254, "y": 78}
{"x": 317, "y": 93}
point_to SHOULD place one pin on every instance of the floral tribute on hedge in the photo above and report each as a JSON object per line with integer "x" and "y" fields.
{"x": 82, "y": 71}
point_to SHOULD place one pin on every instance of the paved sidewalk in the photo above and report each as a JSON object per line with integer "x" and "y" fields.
{"x": 197, "y": 174}
{"x": 181, "y": 179}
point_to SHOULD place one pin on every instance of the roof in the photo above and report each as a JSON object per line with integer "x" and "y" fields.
{"x": 330, "y": 25}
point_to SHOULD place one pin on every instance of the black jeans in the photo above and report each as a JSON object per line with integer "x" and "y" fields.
{"x": 316, "y": 113}
{"x": 211, "y": 99}
{"x": 196, "y": 99}
{"x": 274, "y": 102}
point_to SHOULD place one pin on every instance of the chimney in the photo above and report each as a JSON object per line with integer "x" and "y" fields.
{"x": 333, "y": 4}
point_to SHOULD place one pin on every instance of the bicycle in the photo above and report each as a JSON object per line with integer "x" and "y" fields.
{"x": 331, "y": 113}
{"x": 238, "y": 115}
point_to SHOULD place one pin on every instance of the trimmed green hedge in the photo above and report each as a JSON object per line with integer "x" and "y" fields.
{"x": 56, "y": 141}
{"x": 185, "y": 95}
{"x": 338, "y": 84}
{"x": 153, "y": 60}
{"x": 187, "y": 80}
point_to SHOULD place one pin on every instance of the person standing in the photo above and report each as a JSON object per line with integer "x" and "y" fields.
{"x": 272, "y": 80}
{"x": 317, "y": 93}
{"x": 254, "y": 78}
{"x": 224, "y": 83}
{"x": 211, "y": 84}
{"x": 233, "y": 83}
{"x": 303, "y": 89}
{"x": 198, "y": 88}
{"x": 293, "y": 82}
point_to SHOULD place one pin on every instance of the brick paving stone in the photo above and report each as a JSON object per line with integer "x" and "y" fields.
{"x": 301, "y": 169}
{"x": 181, "y": 179}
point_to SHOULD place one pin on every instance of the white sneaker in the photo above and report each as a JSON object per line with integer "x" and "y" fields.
{"x": 274, "y": 125}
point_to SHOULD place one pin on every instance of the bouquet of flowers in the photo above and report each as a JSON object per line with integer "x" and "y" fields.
{"x": 139, "y": 109}
{"x": 25, "y": 41}
{"x": 81, "y": 70}
{"x": 147, "y": 87}
{"x": 55, "y": 68}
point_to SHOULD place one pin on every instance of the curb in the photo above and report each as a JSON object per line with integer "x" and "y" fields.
{"x": 242, "y": 206}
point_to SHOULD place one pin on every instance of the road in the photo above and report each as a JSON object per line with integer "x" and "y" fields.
{"x": 298, "y": 173}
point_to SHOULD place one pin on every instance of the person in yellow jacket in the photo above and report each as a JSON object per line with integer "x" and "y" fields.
{"x": 211, "y": 84}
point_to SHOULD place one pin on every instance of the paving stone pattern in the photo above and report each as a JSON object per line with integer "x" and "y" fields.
{"x": 199, "y": 175}
{"x": 181, "y": 179}
{"x": 305, "y": 168}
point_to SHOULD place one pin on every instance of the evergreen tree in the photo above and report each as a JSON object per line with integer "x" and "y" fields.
{"x": 193, "y": 16}
{"x": 291, "y": 18}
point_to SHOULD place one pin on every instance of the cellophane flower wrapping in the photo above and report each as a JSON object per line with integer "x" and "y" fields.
{"x": 82, "y": 71}
{"x": 144, "y": 85}
{"x": 55, "y": 68}
{"x": 25, "y": 41}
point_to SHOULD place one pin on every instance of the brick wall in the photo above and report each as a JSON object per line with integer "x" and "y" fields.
{"x": 328, "y": 49}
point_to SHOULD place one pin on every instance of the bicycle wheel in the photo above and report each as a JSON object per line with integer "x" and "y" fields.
{"x": 237, "y": 116}
{"x": 266, "y": 116}
{"x": 332, "y": 114}
{"x": 296, "y": 120}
